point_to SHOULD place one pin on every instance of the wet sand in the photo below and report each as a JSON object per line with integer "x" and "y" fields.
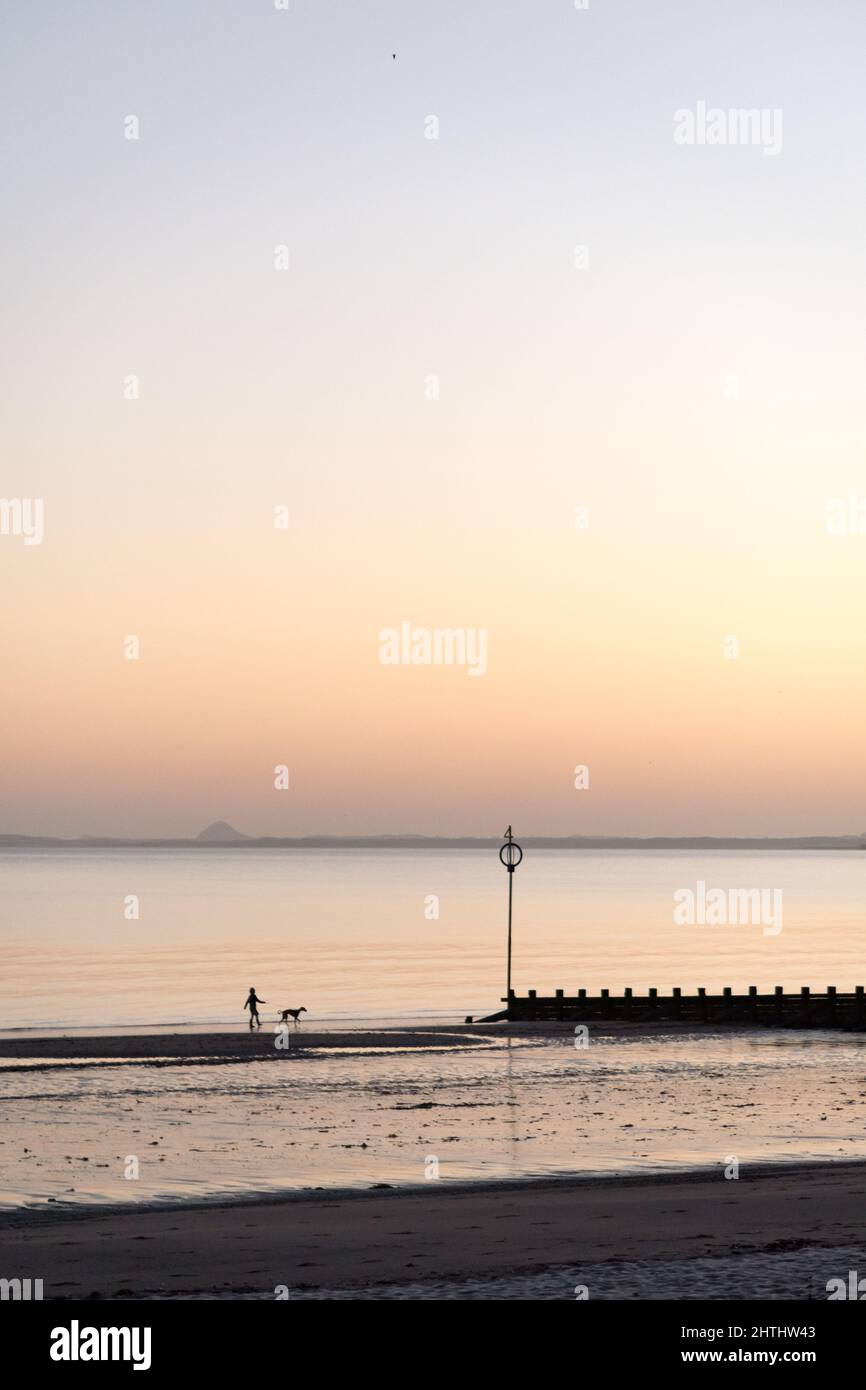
{"x": 270, "y": 1041}
{"x": 310, "y": 1176}
{"x": 361, "y": 1242}
{"x": 243, "y": 1046}
{"x": 355, "y": 1108}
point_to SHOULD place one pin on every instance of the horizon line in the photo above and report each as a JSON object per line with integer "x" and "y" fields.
{"x": 410, "y": 840}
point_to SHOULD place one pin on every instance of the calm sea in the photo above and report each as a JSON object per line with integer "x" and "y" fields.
{"x": 396, "y": 934}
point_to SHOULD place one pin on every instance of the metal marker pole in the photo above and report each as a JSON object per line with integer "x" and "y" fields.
{"x": 510, "y": 855}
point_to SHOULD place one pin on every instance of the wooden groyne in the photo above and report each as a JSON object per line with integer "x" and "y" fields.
{"x": 804, "y": 1009}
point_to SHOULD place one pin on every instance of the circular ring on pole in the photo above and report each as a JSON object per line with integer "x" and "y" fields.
{"x": 510, "y": 855}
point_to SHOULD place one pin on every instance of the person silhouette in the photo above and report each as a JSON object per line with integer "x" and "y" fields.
{"x": 252, "y": 1004}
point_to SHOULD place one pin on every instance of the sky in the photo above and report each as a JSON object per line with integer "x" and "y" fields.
{"x": 535, "y": 370}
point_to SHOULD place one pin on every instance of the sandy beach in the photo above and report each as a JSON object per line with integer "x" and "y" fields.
{"x": 360, "y": 1243}
{"x": 268, "y": 1043}
{"x": 552, "y": 1168}
{"x": 144, "y": 1118}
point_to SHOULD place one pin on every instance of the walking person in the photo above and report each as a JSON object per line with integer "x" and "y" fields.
{"x": 252, "y": 1004}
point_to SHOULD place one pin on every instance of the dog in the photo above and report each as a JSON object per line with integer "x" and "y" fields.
{"x": 286, "y": 1014}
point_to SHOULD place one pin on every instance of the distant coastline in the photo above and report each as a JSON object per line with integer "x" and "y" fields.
{"x": 432, "y": 842}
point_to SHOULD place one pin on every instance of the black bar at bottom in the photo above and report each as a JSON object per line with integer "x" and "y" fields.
{"x": 222, "y": 1338}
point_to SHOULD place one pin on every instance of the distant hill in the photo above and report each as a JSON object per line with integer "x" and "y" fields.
{"x": 221, "y": 833}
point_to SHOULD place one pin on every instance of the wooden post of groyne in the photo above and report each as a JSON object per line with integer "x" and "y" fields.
{"x": 803, "y": 1008}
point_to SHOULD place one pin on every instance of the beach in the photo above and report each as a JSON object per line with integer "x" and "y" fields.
{"x": 144, "y": 1118}
{"x": 435, "y": 1161}
{"x": 483, "y": 1241}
